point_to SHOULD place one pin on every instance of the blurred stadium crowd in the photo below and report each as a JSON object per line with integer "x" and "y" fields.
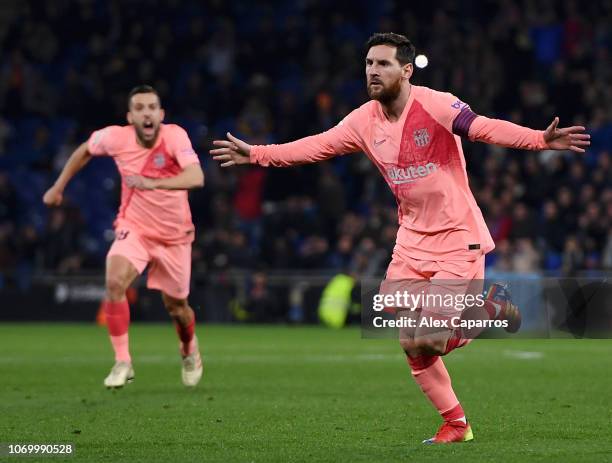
{"x": 282, "y": 70}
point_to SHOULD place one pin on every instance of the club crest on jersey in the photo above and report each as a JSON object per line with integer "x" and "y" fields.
{"x": 421, "y": 137}
{"x": 159, "y": 160}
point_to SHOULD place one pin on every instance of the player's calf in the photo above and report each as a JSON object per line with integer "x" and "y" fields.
{"x": 119, "y": 275}
{"x": 432, "y": 377}
{"x": 184, "y": 320}
{"x": 181, "y": 314}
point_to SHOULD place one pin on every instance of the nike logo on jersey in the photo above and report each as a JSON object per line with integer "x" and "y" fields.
{"x": 379, "y": 142}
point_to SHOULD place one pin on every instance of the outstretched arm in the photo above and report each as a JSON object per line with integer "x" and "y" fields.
{"x": 506, "y": 133}
{"x": 191, "y": 177}
{"x": 341, "y": 139}
{"x": 78, "y": 159}
{"x": 305, "y": 150}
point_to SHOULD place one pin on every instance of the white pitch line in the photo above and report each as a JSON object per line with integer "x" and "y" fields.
{"x": 523, "y": 354}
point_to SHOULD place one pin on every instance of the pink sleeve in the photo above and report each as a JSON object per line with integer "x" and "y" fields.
{"x": 459, "y": 119}
{"x": 506, "y": 133}
{"x": 448, "y": 110}
{"x": 341, "y": 139}
{"x": 181, "y": 148}
{"x": 104, "y": 141}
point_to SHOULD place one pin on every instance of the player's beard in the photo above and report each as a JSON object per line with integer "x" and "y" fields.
{"x": 147, "y": 143}
{"x": 387, "y": 94}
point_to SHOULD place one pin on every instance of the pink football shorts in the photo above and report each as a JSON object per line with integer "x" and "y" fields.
{"x": 169, "y": 265}
{"x": 446, "y": 279}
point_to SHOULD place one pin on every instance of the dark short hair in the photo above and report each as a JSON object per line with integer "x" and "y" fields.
{"x": 404, "y": 50}
{"x": 142, "y": 89}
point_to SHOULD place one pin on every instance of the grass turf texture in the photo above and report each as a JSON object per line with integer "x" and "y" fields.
{"x": 298, "y": 394}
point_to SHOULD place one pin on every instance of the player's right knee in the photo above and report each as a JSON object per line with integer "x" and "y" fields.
{"x": 422, "y": 346}
{"x": 115, "y": 288}
{"x": 410, "y": 347}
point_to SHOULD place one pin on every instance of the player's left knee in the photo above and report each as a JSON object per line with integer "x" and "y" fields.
{"x": 176, "y": 307}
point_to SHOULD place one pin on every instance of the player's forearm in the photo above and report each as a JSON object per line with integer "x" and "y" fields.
{"x": 337, "y": 140}
{"x": 303, "y": 151}
{"x": 504, "y": 133}
{"x": 191, "y": 177}
{"x": 78, "y": 159}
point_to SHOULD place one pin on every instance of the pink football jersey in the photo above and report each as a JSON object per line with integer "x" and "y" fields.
{"x": 421, "y": 159}
{"x": 162, "y": 215}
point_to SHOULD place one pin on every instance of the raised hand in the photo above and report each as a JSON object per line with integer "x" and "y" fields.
{"x": 232, "y": 151}
{"x": 570, "y": 138}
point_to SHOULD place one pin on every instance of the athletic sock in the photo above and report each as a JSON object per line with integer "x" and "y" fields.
{"x": 431, "y": 375}
{"x": 118, "y": 321}
{"x": 493, "y": 309}
{"x": 456, "y": 341}
{"x": 186, "y": 335}
{"x": 454, "y": 414}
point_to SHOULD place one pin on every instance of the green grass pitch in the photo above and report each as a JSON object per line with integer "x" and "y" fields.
{"x": 299, "y": 394}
